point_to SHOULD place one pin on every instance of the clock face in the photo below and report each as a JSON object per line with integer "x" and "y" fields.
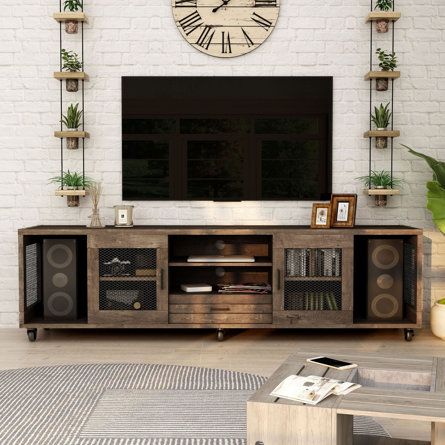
{"x": 225, "y": 28}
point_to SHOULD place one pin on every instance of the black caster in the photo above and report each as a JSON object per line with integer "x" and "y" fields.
{"x": 32, "y": 335}
{"x": 220, "y": 334}
{"x": 409, "y": 334}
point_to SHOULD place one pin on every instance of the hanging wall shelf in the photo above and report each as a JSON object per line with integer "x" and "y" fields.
{"x": 382, "y": 133}
{"x": 66, "y": 16}
{"x": 70, "y": 192}
{"x": 388, "y": 192}
{"x": 63, "y": 75}
{"x": 383, "y": 15}
{"x": 382, "y": 75}
{"x": 71, "y": 134}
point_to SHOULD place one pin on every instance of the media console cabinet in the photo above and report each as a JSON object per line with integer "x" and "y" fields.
{"x": 131, "y": 277}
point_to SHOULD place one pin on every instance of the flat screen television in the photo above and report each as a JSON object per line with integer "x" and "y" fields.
{"x": 226, "y": 138}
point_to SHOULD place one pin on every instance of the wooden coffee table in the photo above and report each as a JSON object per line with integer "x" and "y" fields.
{"x": 409, "y": 389}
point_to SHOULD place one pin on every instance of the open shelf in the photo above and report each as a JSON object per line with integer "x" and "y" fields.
{"x": 71, "y": 134}
{"x": 63, "y": 75}
{"x": 127, "y": 279}
{"x": 64, "y": 16}
{"x": 382, "y": 134}
{"x": 392, "y": 16}
{"x": 70, "y": 192}
{"x": 379, "y": 192}
{"x": 313, "y": 278}
{"x": 259, "y": 262}
{"x": 382, "y": 75}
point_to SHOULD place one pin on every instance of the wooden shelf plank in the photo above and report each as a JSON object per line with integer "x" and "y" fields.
{"x": 382, "y": 75}
{"x": 393, "y": 16}
{"x": 71, "y": 192}
{"x": 71, "y": 134}
{"x": 64, "y": 16}
{"x": 389, "y": 192}
{"x": 127, "y": 278}
{"x": 218, "y": 264}
{"x": 63, "y": 75}
{"x": 382, "y": 133}
{"x": 313, "y": 278}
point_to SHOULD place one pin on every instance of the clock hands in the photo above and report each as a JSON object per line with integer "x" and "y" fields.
{"x": 224, "y": 3}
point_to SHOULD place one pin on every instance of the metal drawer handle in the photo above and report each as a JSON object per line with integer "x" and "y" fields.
{"x": 162, "y": 278}
{"x": 219, "y": 309}
{"x": 278, "y": 279}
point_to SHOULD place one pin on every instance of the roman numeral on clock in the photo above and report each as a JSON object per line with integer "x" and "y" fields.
{"x": 206, "y": 37}
{"x": 186, "y": 3}
{"x": 263, "y": 3}
{"x": 190, "y": 22}
{"x": 264, "y": 23}
{"x": 249, "y": 41}
{"x": 226, "y": 45}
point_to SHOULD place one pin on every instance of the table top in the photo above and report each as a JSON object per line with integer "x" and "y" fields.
{"x": 397, "y": 388}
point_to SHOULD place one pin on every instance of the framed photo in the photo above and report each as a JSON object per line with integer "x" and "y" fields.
{"x": 343, "y": 208}
{"x": 321, "y": 215}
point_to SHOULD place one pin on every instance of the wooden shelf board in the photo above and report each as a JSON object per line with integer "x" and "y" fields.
{"x": 214, "y": 294}
{"x": 380, "y": 192}
{"x": 382, "y": 133}
{"x": 382, "y": 75}
{"x": 127, "y": 278}
{"x": 313, "y": 278}
{"x": 71, "y": 134}
{"x": 221, "y": 264}
{"x": 64, "y": 16}
{"x": 71, "y": 192}
{"x": 63, "y": 75}
{"x": 393, "y": 16}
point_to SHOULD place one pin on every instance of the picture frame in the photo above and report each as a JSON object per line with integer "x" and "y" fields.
{"x": 343, "y": 209}
{"x": 321, "y": 215}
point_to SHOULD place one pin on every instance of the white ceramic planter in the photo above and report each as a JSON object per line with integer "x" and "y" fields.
{"x": 438, "y": 320}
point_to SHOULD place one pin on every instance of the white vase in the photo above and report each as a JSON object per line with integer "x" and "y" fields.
{"x": 438, "y": 320}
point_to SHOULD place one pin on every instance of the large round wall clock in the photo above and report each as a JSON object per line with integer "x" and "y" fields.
{"x": 225, "y": 28}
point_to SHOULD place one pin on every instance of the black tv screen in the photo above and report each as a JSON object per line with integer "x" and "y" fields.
{"x": 226, "y": 138}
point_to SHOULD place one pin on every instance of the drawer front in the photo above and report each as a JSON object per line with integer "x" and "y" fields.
{"x": 220, "y": 318}
{"x": 219, "y": 299}
{"x": 218, "y": 308}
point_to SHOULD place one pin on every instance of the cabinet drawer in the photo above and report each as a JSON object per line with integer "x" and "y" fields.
{"x": 219, "y": 299}
{"x": 218, "y": 308}
{"x": 219, "y": 318}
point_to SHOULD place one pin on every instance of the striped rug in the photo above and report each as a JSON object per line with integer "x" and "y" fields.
{"x": 129, "y": 404}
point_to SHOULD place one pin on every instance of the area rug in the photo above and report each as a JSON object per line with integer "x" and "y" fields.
{"x": 129, "y": 404}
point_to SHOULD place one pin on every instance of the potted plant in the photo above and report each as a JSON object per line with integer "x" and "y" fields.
{"x": 438, "y": 319}
{"x": 436, "y": 189}
{"x": 72, "y": 64}
{"x": 381, "y": 119}
{"x": 388, "y": 62}
{"x": 71, "y": 181}
{"x": 380, "y": 180}
{"x": 72, "y": 121}
{"x": 382, "y": 25}
{"x": 72, "y": 26}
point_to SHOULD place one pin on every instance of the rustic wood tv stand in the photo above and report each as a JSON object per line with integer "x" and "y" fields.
{"x": 317, "y": 277}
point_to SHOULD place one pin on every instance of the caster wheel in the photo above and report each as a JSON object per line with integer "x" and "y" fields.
{"x": 220, "y": 335}
{"x": 32, "y": 335}
{"x": 409, "y": 334}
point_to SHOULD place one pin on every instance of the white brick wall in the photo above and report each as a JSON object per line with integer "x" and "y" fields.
{"x": 138, "y": 37}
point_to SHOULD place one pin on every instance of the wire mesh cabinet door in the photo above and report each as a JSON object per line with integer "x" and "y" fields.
{"x": 127, "y": 279}
{"x": 313, "y": 280}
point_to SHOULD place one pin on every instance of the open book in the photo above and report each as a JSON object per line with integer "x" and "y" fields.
{"x": 312, "y": 389}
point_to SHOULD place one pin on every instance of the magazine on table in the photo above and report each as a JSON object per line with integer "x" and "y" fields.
{"x": 312, "y": 389}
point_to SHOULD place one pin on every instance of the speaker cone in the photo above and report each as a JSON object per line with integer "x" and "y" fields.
{"x": 385, "y": 256}
{"x": 385, "y": 306}
{"x": 59, "y": 256}
{"x": 60, "y": 304}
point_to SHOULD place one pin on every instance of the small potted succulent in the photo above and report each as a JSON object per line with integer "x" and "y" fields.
{"x": 388, "y": 62}
{"x": 72, "y": 64}
{"x": 381, "y": 119}
{"x": 382, "y": 25}
{"x": 72, "y": 26}
{"x": 438, "y": 319}
{"x": 380, "y": 180}
{"x": 72, "y": 121}
{"x": 71, "y": 181}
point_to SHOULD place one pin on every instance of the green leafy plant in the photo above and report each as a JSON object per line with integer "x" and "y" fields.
{"x": 381, "y": 116}
{"x": 71, "y": 61}
{"x": 436, "y": 188}
{"x": 73, "y": 117}
{"x": 383, "y": 5}
{"x": 71, "y": 179}
{"x": 388, "y": 61}
{"x": 380, "y": 179}
{"x": 72, "y": 5}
